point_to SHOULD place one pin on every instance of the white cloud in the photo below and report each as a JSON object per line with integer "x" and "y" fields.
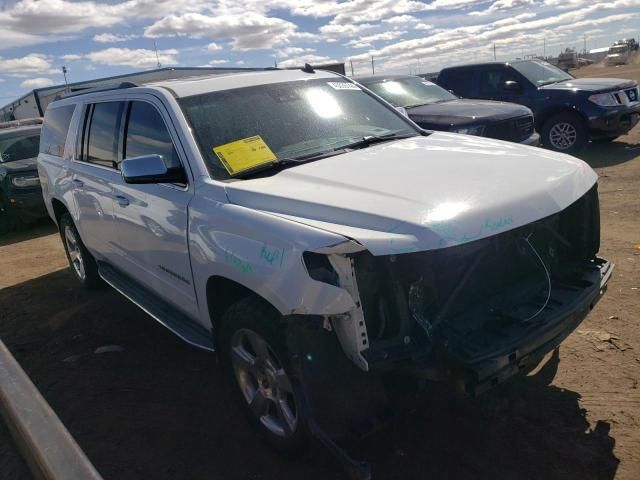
{"x": 301, "y": 60}
{"x": 247, "y": 31}
{"x": 289, "y": 51}
{"x": 369, "y": 39}
{"x": 401, "y": 19}
{"x": 71, "y": 57}
{"x": 500, "y": 5}
{"x": 336, "y": 30}
{"x": 29, "y": 64}
{"x": 136, "y": 58}
{"x": 213, "y": 47}
{"x": 112, "y": 38}
{"x": 37, "y": 83}
{"x": 213, "y": 63}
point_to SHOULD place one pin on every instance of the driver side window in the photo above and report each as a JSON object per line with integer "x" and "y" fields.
{"x": 147, "y": 134}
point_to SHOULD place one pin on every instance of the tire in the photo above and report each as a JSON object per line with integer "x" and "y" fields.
{"x": 255, "y": 359}
{"x": 83, "y": 265}
{"x": 564, "y": 132}
{"x": 605, "y": 140}
{"x": 7, "y": 219}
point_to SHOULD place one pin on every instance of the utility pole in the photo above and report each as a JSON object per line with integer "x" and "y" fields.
{"x": 584, "y": 50}
{"x": 373, "y": 68}
{"x": 544, "y": 49}
{"x": 494, "y": 50}
{"x": 155, "y": 47}
{"x": 64, "y": 72}
{"x": 351, "y": 62}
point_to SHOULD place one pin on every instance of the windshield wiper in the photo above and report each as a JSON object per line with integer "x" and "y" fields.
{"x": 282, "y": 163}
{"x": 371, "y": 139}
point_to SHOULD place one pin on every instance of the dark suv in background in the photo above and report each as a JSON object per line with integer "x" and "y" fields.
{"x": 434, "y": 108}
{"x": 568, "y": 111}
{"x": 20, "y": 194}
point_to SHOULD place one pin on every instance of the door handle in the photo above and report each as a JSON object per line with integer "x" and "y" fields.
{"x": 77, "y": 183}
{"x": 122, "y": 200}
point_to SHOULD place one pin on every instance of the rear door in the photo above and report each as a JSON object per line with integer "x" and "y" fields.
{"x": 152, "y": 219}
{"x": 95, "y": 174}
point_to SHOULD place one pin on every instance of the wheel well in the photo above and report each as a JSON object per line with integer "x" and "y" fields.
{"x": 58, "y": 209}
{"x": 221, "y": 294}
{"x": 547, "y": 114}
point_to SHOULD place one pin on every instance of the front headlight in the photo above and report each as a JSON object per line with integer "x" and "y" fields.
{"x": 478, "y": 131}
{"x": 604, "y": 99}
{"x": 26, "y": 181}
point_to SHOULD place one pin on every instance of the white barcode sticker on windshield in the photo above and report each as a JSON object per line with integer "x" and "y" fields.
{"x": 427, "y": 82}
{"x": 343, "y": 86}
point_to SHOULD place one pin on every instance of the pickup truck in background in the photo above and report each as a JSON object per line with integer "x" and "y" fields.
{"x": 20, "y": 195}
{"x": 318, "y": 240}
{"x": 434, "y": 108}
{"x": 568, "y": 111}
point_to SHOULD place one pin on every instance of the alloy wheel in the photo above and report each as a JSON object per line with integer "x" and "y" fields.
{"x": 75, "y": 253}
{"x": 563, "y": 135}
{"x": 264, "y": 383}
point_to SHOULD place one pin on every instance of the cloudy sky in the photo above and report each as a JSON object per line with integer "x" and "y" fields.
{"x": 98, "y": 38}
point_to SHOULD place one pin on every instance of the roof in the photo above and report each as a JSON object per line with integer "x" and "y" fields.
{"x": 381, "y": 78}
{"x": 482, "y": 64}
{"x": 197, "y": 85}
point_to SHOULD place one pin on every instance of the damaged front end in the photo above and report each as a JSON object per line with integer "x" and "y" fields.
{"x": 478, "y": 313}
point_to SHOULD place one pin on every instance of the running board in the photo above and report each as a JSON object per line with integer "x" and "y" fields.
{"x": 164, "y": 313}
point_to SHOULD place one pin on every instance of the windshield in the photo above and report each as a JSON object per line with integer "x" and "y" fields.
{"x": 621, "y": 49}
{"x": 289, "y": 120}
{"x": 410, "y": 92}
{"x": 19, "y": 147}
{"x": 541, "y": 73}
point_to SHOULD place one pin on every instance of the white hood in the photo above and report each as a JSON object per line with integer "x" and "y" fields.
{"x": 422, "y": 193}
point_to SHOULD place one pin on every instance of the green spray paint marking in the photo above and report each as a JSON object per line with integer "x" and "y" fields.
{"x": 237, "y": 263}
{"x": 273, "y": 256}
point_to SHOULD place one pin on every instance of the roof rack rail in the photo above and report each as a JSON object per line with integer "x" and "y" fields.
{"x": 102, "y": 88}
{"x": 21, "y": 123}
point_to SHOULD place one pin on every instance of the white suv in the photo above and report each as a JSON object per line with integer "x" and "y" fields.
{"x": 318, "y": 239}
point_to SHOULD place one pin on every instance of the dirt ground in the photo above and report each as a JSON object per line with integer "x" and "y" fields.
{"x": 158, "y": 409}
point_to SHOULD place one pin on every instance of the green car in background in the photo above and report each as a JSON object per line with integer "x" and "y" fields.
{"x": 20, "y": 194}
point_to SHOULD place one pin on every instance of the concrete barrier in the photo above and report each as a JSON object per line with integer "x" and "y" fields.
{"x": 47, "y": 446}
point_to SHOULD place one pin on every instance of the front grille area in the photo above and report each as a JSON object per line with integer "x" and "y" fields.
{"x": 513, "y": 130}
{"x": 479, "y": 295}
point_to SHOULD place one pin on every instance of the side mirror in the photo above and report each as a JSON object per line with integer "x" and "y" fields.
{"x": 512, "y": 86}
{"x": 150, "y": 169}
{"x": 403, "y": 111}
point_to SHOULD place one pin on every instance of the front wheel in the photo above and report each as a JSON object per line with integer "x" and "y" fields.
{"x": 564, "y": 132}
{"x": 255, "y": 358}
{"x": 7, "y": 220}
{"x": 83, "y": 265}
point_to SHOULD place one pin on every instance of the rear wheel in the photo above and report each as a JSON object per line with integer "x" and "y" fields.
{"x": 564, "y": 132}
{"x": 255, "y": 358}
{"x": 83, "y": 265}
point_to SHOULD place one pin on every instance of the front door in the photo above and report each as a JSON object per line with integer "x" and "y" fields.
{"x": 152, "y": 219}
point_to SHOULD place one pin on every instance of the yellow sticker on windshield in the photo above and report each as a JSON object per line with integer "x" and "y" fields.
{"x": 245, "y": 154}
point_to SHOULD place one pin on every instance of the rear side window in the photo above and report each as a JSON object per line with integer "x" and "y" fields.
{"x": 147, "y": 134}
{"x": 458, "y": 81}
{"x": 102, "y": 134}
{"x": 55, "y": 128}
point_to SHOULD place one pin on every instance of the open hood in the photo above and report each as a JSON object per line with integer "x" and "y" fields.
{"x": 422, "y": 193}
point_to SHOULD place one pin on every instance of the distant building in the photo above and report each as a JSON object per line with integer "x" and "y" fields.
{"x": 34, "y": 103}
